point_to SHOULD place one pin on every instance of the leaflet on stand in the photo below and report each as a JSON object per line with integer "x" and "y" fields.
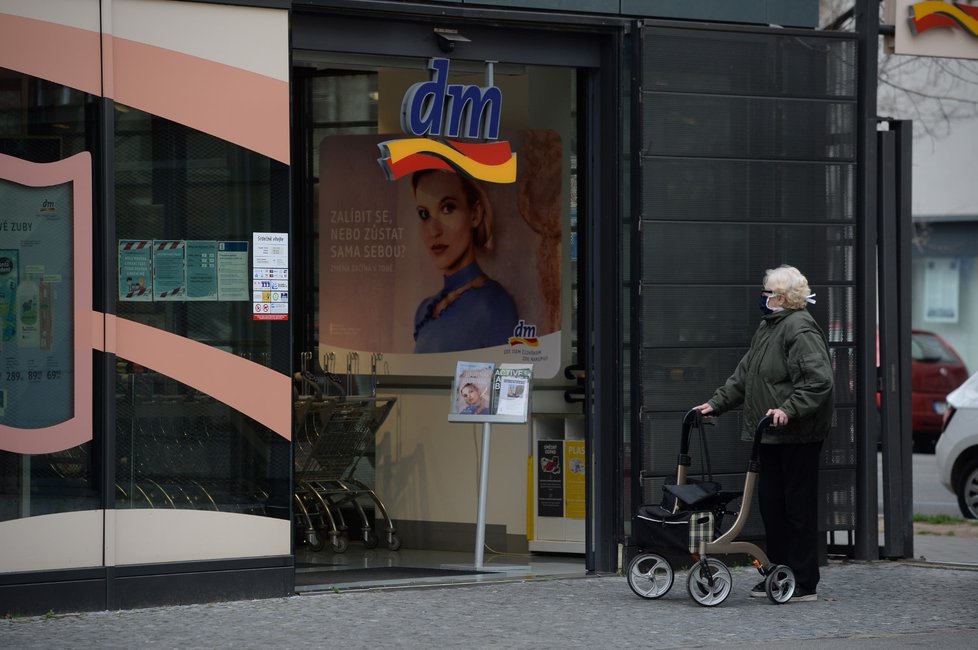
{"x": 471, "y": 388}
{"x": 511, "y": 389}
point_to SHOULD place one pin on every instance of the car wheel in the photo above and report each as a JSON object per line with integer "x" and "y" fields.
{"x": 967, "y": 490}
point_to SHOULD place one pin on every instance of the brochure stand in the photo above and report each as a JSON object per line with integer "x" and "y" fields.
{"x": 515, "y": 381}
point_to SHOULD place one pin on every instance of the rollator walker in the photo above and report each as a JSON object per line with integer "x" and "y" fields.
{"x": 689, "y": 519}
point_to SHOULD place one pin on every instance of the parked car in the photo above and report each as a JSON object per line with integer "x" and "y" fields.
{"x": 935, "y": 370}
{"x": 957, "y": 448}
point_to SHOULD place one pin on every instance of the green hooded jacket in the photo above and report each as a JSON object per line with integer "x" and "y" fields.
{"x": 787, "y": 367}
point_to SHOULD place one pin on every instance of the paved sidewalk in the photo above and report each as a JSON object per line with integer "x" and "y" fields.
{"x": 863, "y": 605}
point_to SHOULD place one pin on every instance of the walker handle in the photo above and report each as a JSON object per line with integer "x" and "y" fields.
{"x": 763, "y": 425}
{"x": 693, "y": 418}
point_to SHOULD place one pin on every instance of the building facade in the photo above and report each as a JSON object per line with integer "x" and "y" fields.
{"x": 192, "y": 198}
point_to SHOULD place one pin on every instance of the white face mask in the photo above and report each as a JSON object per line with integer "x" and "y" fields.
{"x": 767, "y": 303}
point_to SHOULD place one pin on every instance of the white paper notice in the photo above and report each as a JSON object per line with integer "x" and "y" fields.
{"x": 270, "y": 279}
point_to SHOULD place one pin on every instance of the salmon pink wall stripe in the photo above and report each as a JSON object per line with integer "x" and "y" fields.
{"x": 254, "y": 390}
{"x": 59, "y": 53}
{"x": 242, "y": 107}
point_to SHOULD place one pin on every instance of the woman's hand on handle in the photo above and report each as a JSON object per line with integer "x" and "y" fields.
{"x": 779, "y": 417}
{"x": 704, "y": 409}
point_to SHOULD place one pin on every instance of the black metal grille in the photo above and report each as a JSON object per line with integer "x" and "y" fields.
{"x": 739, "y": 253}
{"x": 696, "y": 315}
{"x": 697, "y": 189}
{"x": 747, "y": 127}
{"x": 747, "y": 161}
{"x": 747, "y": 64}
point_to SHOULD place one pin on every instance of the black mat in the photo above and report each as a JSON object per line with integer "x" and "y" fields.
{"x": 346, "y": 576}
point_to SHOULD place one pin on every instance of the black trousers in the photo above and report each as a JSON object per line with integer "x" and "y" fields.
{"x": 787, "y": 494}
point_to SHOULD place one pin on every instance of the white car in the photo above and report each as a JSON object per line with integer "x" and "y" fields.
{"x": 957, "y": 448}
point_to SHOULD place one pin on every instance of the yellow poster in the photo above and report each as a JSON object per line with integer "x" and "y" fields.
{"x": 574, "y": 489}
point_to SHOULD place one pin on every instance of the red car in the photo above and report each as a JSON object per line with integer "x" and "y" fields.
{"x": 936, "y": 370}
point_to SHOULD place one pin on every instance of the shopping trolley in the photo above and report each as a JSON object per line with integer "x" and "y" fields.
{"x": 333, "y": 434}
{"x": 689, "y": 520}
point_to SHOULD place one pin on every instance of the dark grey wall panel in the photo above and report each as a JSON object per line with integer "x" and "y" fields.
{"x": 786, "y": 13}
{"x": 738, "y": 63}
{"x": 704, "y": 189}
{"x": 747, "y": 150}
{"x": 725, "y": 253}
{"x": 336, "y": 33}
{"x": 748, "y": 127}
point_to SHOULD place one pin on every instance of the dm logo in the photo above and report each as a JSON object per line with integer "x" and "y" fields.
{"x": 524, "y": 334}
{"x": 930, "y": 15}
{"x": 436, "y": 108}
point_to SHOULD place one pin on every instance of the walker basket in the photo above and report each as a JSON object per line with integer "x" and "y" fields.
{"x": 658, "y": 529}
{"x": 694, "y": 494}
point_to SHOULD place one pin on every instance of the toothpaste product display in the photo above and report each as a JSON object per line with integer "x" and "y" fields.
{"x": 28, "y": 299}
{"x": 8, "y": 295}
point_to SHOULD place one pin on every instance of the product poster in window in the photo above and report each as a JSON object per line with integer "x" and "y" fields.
{"x": 550, "y": 478}
{"x": 36, "y": 304}
{"x": 421, "y": 264}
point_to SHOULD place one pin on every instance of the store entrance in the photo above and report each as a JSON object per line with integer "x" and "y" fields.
{"x": 407, "y": 264}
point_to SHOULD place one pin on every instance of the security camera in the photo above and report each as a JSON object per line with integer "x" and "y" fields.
{"x": 447, "y": 38}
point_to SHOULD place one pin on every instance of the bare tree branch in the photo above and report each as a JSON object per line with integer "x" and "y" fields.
{"x": 936, "y": 93}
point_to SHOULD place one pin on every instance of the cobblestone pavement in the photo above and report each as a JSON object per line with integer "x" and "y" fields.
{"x": 861, "y": 604}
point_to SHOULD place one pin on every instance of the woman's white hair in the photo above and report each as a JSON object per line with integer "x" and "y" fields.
{"x": 789, "y": 282}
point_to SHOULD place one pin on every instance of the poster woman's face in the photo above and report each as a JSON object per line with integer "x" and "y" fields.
{"x": 470, "y": 394}
{"x": 447, "y": 220}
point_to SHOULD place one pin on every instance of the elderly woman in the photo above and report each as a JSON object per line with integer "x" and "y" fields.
{"x": 472, "y": 310}
{"x": 786, "y": 374}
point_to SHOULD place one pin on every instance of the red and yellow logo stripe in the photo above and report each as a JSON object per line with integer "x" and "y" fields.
{"x": 931, "y": 15}
{"x": 493, "y": 162}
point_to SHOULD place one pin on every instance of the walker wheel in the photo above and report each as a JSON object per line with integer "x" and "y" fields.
{"x": 709, "y": 582}
{"x": 650, "y": 575}
{"x": 393, "y": 542}
{"x": 780, "y": 584}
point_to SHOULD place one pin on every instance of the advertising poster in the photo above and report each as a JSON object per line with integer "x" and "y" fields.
{"x": 136, "y": 270}
{"x": 436, "y": 263}
{"x": 169, "y": 270}
{"x": 192, "y": 270}
{"x": 36, "y": 283}
{"x": 233, "y": 281}
{"x": 574, "y": 450}
{"x": 201, "y": 270}
{"x": 550, "y": 478}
